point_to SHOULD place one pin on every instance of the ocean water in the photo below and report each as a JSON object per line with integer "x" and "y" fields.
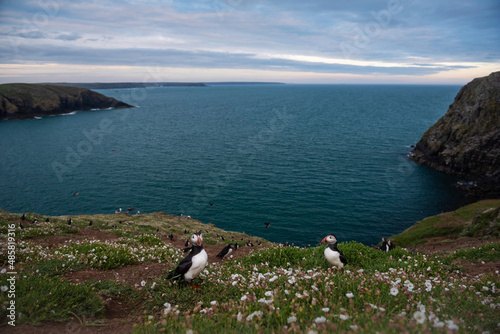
{"x": 309, "y": 159}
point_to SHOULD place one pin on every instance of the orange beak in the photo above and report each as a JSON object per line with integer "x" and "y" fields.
{"x": 199, "y": 241}
{"x": 323, "y": 240}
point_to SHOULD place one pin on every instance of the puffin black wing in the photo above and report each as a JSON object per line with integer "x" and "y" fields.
{"x": 182, "y": 268}
{"x": 342, "y": 257}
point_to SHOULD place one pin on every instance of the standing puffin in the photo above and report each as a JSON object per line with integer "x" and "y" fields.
{"x": 226, "y": 251}
{"x": 192, "y": 264}
{"x": 387, "y": 245}
{"x": 333, "y": 255}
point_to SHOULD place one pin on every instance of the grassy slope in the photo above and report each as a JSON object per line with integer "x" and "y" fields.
{"x": 269, "y": 290}
{"x": 474, "y": 220}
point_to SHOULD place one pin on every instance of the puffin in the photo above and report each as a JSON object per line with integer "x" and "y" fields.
{"x": 387, "y": 245}
{"x": 332, "y": 254}
{"x": 226, "y": 251}
{"x": 193, "y": 263}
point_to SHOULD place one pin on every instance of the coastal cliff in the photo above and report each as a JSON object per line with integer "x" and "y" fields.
{"x": 18, "y": 101}
{"x": 466, "y": 140}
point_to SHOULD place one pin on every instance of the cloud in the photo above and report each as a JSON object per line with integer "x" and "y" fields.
{"x": 397, "y": 37}
{"x": 69, "y": 37}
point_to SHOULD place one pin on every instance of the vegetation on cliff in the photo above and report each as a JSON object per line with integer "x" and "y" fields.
{"x": 466, "y": 140}
{"x": 30, "y": 100}
{"x": 111, "y": 274}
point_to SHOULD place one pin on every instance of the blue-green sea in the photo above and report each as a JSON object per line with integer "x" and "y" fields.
{"x": 309, "y": 159}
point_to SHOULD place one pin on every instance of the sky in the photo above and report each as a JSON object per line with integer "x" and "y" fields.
{"x": 290, "y": 41}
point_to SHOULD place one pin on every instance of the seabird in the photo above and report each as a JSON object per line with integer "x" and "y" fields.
{"x": 187, "y": 243}
{"x": 119, "y": 210}
{"x": 225, "y": 251}
{"x": 249, "y": 243}
{"x": 171, "y": 236}
{"x": 47, "y": 220}
{"x": 23, "y": 217}
{"x": 267, "y": 225}
{"x": 137, "y": 213}
{"x": 34, "y": 221}
{"x": 21, "y": 226}
{"x": 70, "y": 221}
{"x": 91, "y": 223}
{"x": 130, "y": 209}
{"x": 332, "y": 254}
{"x": 76, "y": 193}
{"x": 192, "y": 264}
{"x": 387, "y": 245}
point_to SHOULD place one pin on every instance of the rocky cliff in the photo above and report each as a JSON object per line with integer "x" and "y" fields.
{"x": 466, "y": 140}
{"x": 30, "y": 100}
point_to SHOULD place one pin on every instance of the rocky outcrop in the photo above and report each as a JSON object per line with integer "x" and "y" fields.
{"x": 466, "y": 140}
{"x": 29, "y": 100}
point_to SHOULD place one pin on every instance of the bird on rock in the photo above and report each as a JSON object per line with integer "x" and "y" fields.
{"x": 193, "y": 263}
{"x": 332, "y": 254}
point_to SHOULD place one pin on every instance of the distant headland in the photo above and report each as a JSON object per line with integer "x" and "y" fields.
{"x": 122, "y": 85}
{"x": 21, "y": 101}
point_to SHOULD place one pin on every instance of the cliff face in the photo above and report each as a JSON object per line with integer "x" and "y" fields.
{"x": 30, "y": 100}
{"x": 466, "y": 140}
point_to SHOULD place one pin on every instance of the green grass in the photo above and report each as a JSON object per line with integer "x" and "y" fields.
{"x": 486, "y": 253}
{"x": 42, "y": 298}
{"x": 452, "y": 225}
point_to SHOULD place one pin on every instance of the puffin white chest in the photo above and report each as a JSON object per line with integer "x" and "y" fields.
{"x": 198, "y": 263}
{"x": 333, "y": 257}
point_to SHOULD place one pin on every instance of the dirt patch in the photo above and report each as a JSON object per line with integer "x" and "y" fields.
{"x": 131, "y": 275}
{"x": 446, "y": 245}
{"x": 475, "y": 269}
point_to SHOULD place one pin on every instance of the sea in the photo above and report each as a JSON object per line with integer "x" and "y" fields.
{"x": 308, "y": 159}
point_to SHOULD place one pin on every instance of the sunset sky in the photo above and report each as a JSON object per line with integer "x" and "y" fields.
{"x": 292, "y": 41}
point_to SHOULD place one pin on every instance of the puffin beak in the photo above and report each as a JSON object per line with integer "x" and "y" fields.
{"x": 323, "y": 241}
{"x": 199, "y": 241}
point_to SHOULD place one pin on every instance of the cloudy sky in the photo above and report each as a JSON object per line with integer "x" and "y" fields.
{"x": 292, "y": 41}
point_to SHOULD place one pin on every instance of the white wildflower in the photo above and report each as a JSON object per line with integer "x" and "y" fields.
{"x": 143, "y": 283}
{"x": 291, "y": 319}
{"x": 320, "y": 320}
{"x": 419, "y": 316}
{"x": 268, "y": 293}
{"x": 274, "y": 278}
{"x": 343, "y": 317}
{"x": 256, "y": 313}
{"x": 3, "y": 271}
{"x": 325, "y": 309}
{"x": 213, "y": 302}
{"x": 349, "y": 295}
{"x": 451, "y": 325}
{"x": 244, "y": 298}
{"x": 4, "y": 288}
{"x": 394, "y": 291}
{"x": 239, "y": 316}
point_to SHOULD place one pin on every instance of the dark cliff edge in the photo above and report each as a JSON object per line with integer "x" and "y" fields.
{"x": 466, "y": 140}
{"x": 21, "y": 101}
